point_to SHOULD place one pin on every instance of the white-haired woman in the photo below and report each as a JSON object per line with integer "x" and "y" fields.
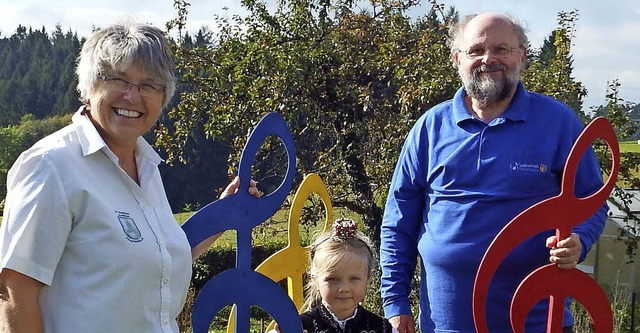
{"x": 88, "y": 241}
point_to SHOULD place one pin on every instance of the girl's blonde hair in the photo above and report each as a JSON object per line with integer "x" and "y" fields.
{"x": 329, "y": 251}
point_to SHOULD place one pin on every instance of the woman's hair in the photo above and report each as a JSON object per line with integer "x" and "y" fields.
{"x": 120, "y": 46}
{"x": 330, "y": 250}
{"x": 457, "y": 30}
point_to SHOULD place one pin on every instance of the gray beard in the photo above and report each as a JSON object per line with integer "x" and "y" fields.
{"x": 485, "y": 89}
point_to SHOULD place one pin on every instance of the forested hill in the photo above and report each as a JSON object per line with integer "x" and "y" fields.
{"x": 37, "y": 73}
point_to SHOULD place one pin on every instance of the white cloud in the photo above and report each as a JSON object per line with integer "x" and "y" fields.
{"x": 607, "y": 49}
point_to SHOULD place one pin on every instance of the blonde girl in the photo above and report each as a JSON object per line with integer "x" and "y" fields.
{"x": 341, "y": 265}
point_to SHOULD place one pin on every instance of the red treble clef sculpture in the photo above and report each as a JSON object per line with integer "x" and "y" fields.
{"x": 562, "y": 213}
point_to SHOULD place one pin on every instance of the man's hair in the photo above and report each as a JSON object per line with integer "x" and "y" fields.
{"x": 119, "y": 46}
{"x": 457, "y": 30}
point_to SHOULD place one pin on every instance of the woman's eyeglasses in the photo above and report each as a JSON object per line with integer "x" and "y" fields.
{"x": 148, "y": 90}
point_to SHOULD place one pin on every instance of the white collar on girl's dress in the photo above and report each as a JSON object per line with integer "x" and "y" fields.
{"x": 341, "y": 323}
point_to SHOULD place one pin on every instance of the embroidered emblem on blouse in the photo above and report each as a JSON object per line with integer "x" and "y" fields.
{"x": 129, "y": 227}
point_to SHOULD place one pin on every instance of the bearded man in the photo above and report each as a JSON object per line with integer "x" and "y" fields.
{"x": 469, "y": 166}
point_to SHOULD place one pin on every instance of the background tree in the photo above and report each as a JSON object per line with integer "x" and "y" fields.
{"x": 349, "y": 82}
{"x": 15, "y": 139}
{"x": 621, "y": 115}
{"x": 37, "y": 74}
{"x": 550, "y": 68}
{"x": 189, "y": 180}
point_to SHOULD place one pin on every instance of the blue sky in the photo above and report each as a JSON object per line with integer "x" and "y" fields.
{"x": 606, "y": 44}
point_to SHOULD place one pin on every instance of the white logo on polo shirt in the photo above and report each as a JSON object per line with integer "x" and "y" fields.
{"x": 542, "y": 168}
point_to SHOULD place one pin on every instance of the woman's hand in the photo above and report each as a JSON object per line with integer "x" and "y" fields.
{"x": 232, "y": 188}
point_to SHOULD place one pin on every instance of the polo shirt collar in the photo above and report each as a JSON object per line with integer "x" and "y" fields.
{"x": 517, "y": 110}
{"x": 91, "y": 141}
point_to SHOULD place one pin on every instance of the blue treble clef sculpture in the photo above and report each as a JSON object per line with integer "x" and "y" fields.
{"x": 241, "y": 285}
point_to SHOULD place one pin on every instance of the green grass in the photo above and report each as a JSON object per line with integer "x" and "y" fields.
{"x": 266, "y": 232}
{"x": 629, "y": 147}
{"x": 228, "y": 239}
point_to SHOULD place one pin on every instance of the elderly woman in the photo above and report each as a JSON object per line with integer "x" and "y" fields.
{"x": 88, "y": 241}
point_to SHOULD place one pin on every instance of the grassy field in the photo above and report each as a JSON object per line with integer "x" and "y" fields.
{"x": 228, "y": 239}
{"x": 629, "y": 147}
{"x": 266, "y": 232}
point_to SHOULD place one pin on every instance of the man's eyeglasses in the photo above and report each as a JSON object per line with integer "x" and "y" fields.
{"x": 148, "y": 90}
{"x": 500, "y": 52}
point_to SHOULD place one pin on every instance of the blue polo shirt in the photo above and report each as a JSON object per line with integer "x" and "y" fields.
{"x": 457, "y": 183}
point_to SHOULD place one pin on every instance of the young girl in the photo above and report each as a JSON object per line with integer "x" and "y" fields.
{"x": 339, "y": 273}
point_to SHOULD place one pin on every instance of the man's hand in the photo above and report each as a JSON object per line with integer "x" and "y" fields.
{"x": 566, "y": 252}
{"x": 403, "y": 323}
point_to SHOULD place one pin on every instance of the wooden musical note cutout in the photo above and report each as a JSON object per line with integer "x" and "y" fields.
{"x": 241, "y": 285}
{"x": 291, "y": 262}
{"x": 562, "y": 213}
